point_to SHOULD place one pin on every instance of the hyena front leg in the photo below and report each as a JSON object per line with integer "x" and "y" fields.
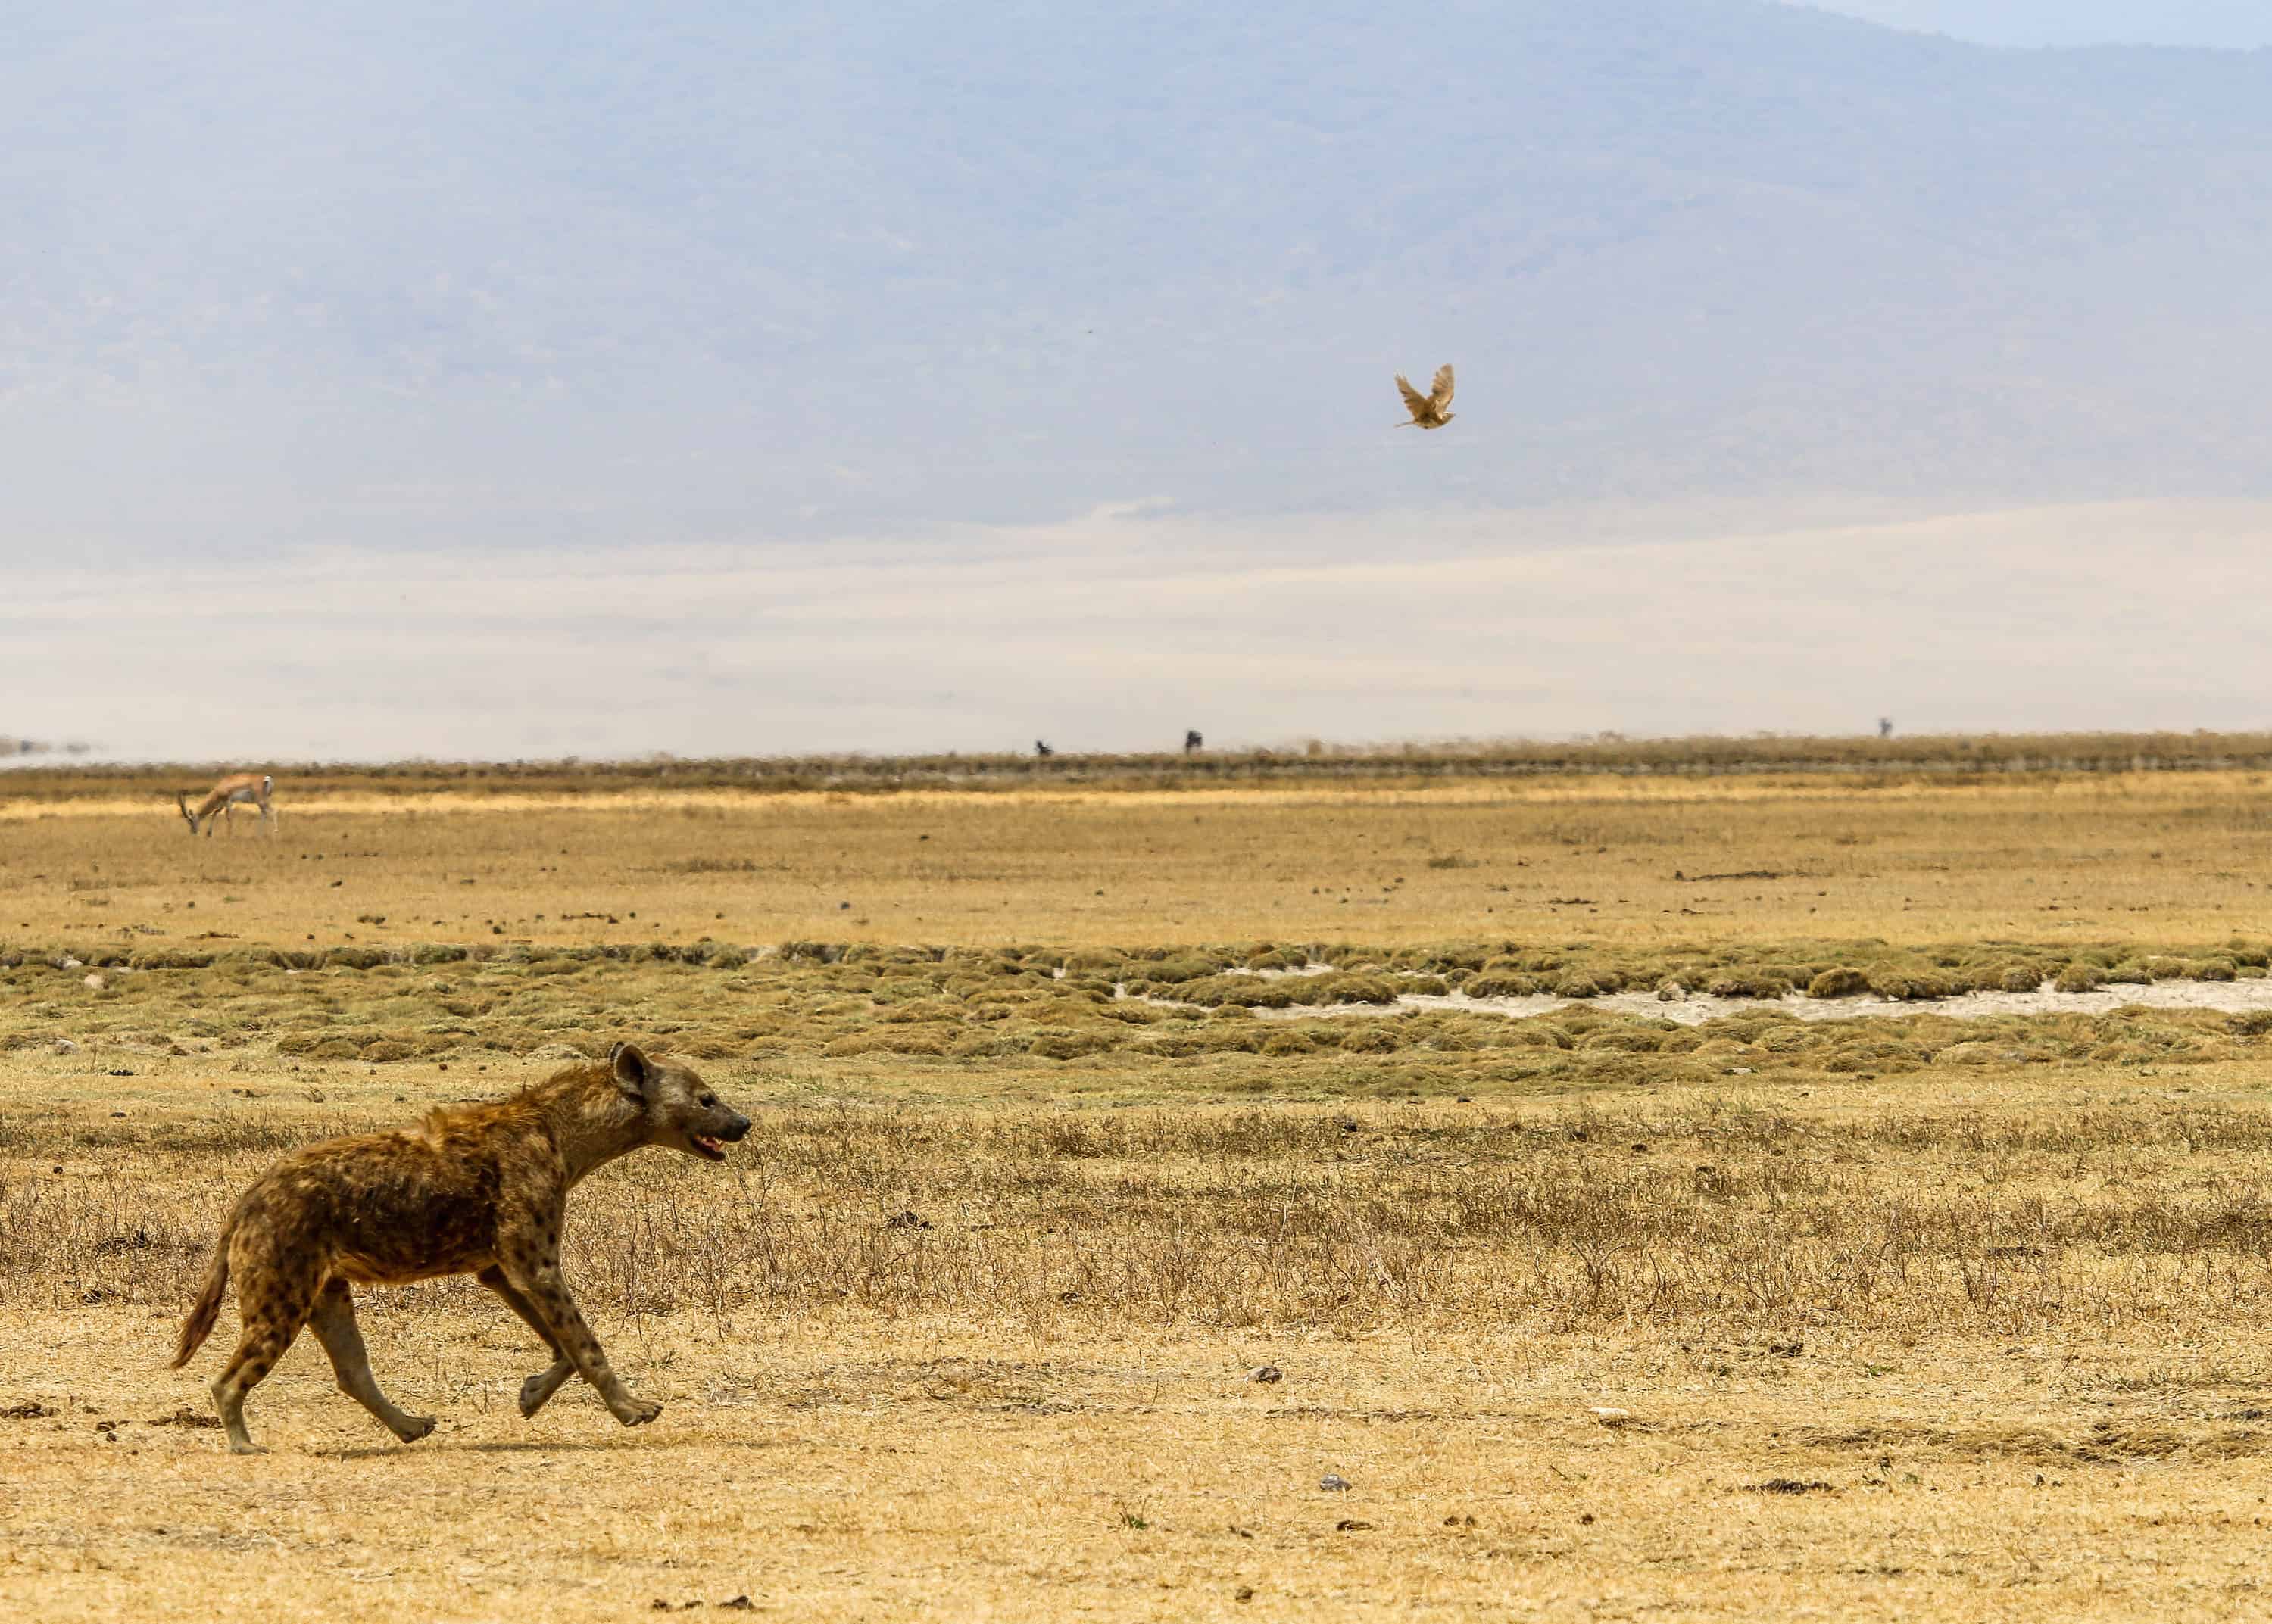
{"x": 533, "y": 1271}
{"x": 538, "y": 1390}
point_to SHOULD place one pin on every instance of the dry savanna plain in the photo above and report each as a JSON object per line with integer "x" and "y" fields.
{"x": 1368, "y": 1192}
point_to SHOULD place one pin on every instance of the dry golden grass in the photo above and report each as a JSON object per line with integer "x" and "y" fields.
{"x": 1914, "y": 1317}
{"x": 2152, "y": 858}
{"x": 2015, "y": 1345}
{"x": 848, "y": 1470}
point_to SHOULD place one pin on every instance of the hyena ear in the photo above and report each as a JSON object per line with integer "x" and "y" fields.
{"x": 631, "y": 1068}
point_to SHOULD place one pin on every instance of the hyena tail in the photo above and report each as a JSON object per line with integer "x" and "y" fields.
{"x": 199, "y": 1325}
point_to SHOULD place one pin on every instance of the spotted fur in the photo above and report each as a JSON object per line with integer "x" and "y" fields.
{"x": 476, "y": 1189}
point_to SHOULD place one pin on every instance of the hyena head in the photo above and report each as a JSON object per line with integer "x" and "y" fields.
{"x": 681, "y": 1110}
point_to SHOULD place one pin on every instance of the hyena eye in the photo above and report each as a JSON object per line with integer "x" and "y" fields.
{"x": 708, "y": 1100}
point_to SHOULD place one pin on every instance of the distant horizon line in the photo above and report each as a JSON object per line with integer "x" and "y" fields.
{"x": 1763, "y": 746}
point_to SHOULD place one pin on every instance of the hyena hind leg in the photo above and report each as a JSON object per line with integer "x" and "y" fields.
{"x": 334, "y": 1321}
{"x": 272, "y": 1313}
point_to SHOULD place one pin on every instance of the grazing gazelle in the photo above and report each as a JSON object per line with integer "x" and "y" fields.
{"x": 252, "y": 788}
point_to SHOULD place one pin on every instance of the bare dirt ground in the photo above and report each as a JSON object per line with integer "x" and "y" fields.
{"x": 1898, "y": 1316}
{"x": 840, "y": 1471}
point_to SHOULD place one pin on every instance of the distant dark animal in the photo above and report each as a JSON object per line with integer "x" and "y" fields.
{"x": 1192, "y": 741}
{"x": 1432, "y": 409}
{"x": 1884, "y": 727}
{"x": 1041, "y": 747}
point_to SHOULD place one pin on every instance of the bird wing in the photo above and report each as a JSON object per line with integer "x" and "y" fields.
{"x": 1415, "y": 402}
{"x": 1440, "y": 395}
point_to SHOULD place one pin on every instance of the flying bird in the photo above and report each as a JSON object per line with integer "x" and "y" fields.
{"x": 1427, "y": 410}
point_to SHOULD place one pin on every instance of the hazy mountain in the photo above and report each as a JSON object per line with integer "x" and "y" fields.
{"x": 515, "y": 273}
{"x": 2222, "y": 24}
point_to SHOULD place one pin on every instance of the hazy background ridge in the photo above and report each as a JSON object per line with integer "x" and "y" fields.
{"x": 2227, "y": 25}
{"x": 290, "y": 275}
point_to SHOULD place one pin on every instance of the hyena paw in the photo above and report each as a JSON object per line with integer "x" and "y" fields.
{"x": 637, "y": 1411}
{"x": 414, "y": 1427}
{"x": 247, "y": 1448}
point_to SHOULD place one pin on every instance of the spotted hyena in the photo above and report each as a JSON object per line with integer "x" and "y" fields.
{"x": 475, "y": 1189}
